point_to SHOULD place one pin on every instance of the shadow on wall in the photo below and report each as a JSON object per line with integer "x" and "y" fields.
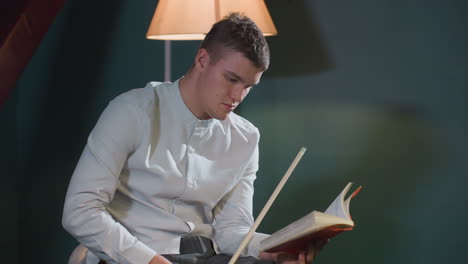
{"x": 299, "y": 48}
{"x": 383, "y": 148}
{"x": 61, "y": 105}
{"x": 391, "y": 166}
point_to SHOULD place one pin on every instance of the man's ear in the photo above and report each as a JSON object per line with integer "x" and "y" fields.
{"x": 202, "y": 59}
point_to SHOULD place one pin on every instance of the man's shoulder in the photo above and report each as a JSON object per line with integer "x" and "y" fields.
{"x": 140, "y": 97}
{"x": 242, "y": 124}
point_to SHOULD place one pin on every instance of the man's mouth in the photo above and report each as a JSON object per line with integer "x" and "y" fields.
{"x": 230, "y": 107}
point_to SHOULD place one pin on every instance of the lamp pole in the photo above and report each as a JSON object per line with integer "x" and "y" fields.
{"x": 167, "y": 60}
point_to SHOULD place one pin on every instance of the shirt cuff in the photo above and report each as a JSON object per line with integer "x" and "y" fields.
{"x": 254, "y": 245}
{"x": 139, "y": 253}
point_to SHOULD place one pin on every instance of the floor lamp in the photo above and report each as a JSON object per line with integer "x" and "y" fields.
{"x": 192, "y": 19}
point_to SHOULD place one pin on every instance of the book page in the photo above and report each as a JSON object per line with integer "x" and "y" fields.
{"x": 338, "y": 207}
{"x": 309, "y": 224}
{"x": 348, "y": 200}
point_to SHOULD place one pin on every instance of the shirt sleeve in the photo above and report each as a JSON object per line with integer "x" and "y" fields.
{"x": 93, "y": 185}
{"x": 233, "y": 214}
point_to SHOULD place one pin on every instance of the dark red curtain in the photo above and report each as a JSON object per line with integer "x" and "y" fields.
{"x": 23, "y": 23}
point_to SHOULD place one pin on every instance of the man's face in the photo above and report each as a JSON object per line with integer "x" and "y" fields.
{"x": 225, "y": 83}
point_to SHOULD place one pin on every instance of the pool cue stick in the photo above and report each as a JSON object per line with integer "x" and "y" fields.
{"x": 267, "y": 206}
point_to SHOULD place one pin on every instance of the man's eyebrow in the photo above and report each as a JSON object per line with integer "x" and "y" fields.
{"x": 239, "y": 78}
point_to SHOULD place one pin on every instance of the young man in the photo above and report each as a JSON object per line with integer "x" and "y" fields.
{"x": 167, "y": 173}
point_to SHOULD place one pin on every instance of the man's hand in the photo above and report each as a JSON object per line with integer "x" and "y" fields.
{"x": 301, "y": 258}
{"x": 158, "y": 259}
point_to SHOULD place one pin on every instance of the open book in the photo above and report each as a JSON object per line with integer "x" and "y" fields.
{"x": 296, "y": 236}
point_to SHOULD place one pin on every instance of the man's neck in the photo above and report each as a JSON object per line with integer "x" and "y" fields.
{"x": 188, "y": 91}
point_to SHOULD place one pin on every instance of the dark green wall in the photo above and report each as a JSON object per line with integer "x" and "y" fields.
{"x": 9, "y": 177}
{"x": 380, "y": 100}
{"x": 375, "y": 89}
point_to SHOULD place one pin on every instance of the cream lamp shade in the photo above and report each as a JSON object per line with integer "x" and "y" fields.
{"x": 192, "y": 19}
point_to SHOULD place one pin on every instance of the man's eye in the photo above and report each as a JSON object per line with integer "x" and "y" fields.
{"x": 231, "y": 79}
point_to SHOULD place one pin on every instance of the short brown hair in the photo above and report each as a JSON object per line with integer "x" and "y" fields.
{"x": 239, "y": 33}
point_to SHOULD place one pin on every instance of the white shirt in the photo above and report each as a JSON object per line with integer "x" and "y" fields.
{"x": 152, "y": 172}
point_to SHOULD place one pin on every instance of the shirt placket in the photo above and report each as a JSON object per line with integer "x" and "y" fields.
{"x": 192, "y": 169}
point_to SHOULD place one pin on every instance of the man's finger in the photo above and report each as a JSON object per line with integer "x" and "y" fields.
{"x": 311, "y": 253}
{"x": 302, "y": 258}
{"x": 286, "y": 258}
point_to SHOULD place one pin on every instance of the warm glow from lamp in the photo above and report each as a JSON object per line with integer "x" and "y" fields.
{"x": 192, "y": 19}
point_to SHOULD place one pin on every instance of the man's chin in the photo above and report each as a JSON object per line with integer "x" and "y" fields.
{"x": 221, "y": 117}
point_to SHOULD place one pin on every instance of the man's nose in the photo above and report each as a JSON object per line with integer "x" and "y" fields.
{"x": 236, "y": 93}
